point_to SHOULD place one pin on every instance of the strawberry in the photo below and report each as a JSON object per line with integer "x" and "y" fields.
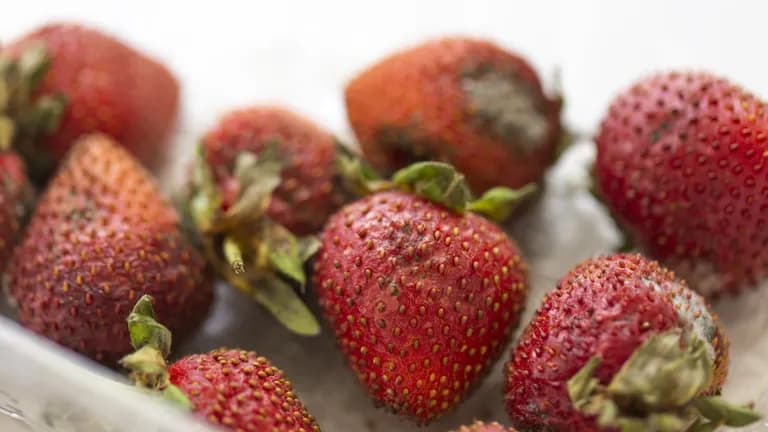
{"x": 15, "y": 193}
{"x": 479, "y": 426}
{"x": 463, "y": 101}
{"x": 66, "y": 80}
{"x": 235, "y": 390}
{"x": 100, "y": 237}
{"x": 679, "y": 162}
{"x": 262, "y": 177}
{"x": 620, "y": 344}
{"x": 307, "y": 194}
{"x": 421, "y": 294}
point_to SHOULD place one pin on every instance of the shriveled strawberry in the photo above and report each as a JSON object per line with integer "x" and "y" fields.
{"x": 15, "y": 193}
{"x": 235, "y": 390}
{"x": 680, "y": 163}
{"x": 307, "y": 194}
{"x": 421, "y": 294}
{"x": 463, "y": 101}
{"x": 262, "y": 177}
{"x": 620, "y": 343}
{"x": 102, "y": 236}
{"x": 479, "y": 426}
{"x": 66, "y": 80}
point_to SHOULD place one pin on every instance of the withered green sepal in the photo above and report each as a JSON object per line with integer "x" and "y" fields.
{"x": 498, "y": 203}
{"x": 354, "y": 173}
{"x": 152, "y": 342}
{"x": 436, "y": 181}
{"x": 26, "y": 118}
{"x": 256, "y": 255}
{"x": 658, "y": 389}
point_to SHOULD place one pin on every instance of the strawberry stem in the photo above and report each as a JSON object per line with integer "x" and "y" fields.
{"x": 152, "y": 342}
{"x": 257, "y": 256}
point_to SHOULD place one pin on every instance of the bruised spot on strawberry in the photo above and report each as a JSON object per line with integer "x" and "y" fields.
{"x": 404, "y": 146}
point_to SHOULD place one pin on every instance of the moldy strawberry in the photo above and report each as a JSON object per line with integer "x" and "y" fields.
{"x": 463, "y": 101}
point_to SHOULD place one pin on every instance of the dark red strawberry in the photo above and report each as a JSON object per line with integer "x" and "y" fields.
{"x": 263, "y": 177}
{"x": 102, "y": 236}
{"x": 66, "y": 80}
{"x": 421, "y": 294}
{"x": 463, "y": 101}
{"x": 621, "y": 342}
{"x": 479, "y": 426}
{"x": 307, "y": 194}
{"x": 235, "y": 390}
{"x": 681, "y": 164}
{"x": 15, "y": 194}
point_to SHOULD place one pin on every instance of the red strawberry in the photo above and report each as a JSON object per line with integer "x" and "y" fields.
{"x": 463, "y": 101}
{"x": 307, "y": 194}
{"x": 15, "y": 192}
{"x": 234, "y": 389}
{"x": 479, "y": 426}
{"x": 100, "y": 237}
{"x": 621, "y": 341}
{"x": 421, "y": 295}
{"x": 262, "y": 177}
{"x": 680, "y": 162}
{"x": 85, "y": 81}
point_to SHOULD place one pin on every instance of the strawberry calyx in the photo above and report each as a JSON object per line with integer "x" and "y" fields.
{"x": 659, "y": 389}
{"x": 25, "y": 117}
{"x": 256, "y": 255}
{"x": 438, "y": 182}
{"x": 152, "y": 342}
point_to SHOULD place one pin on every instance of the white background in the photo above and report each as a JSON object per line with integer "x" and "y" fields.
{"x": 300, "y": 54}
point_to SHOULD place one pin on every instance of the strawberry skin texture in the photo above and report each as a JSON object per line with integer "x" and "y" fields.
{"x": 109, "y": 88}
{"x": 308, "y": 193}
{"x": 416, "y": 105}
{"x": 485, "y": 427}
{"x": 14, "y": 187}
{"x": 102, "y": 236}
{"x": 681, "y": 162}
{"x": 604, "y": 307}
{"x": 240, "y": 391}
{"x": 421, "y": 300}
